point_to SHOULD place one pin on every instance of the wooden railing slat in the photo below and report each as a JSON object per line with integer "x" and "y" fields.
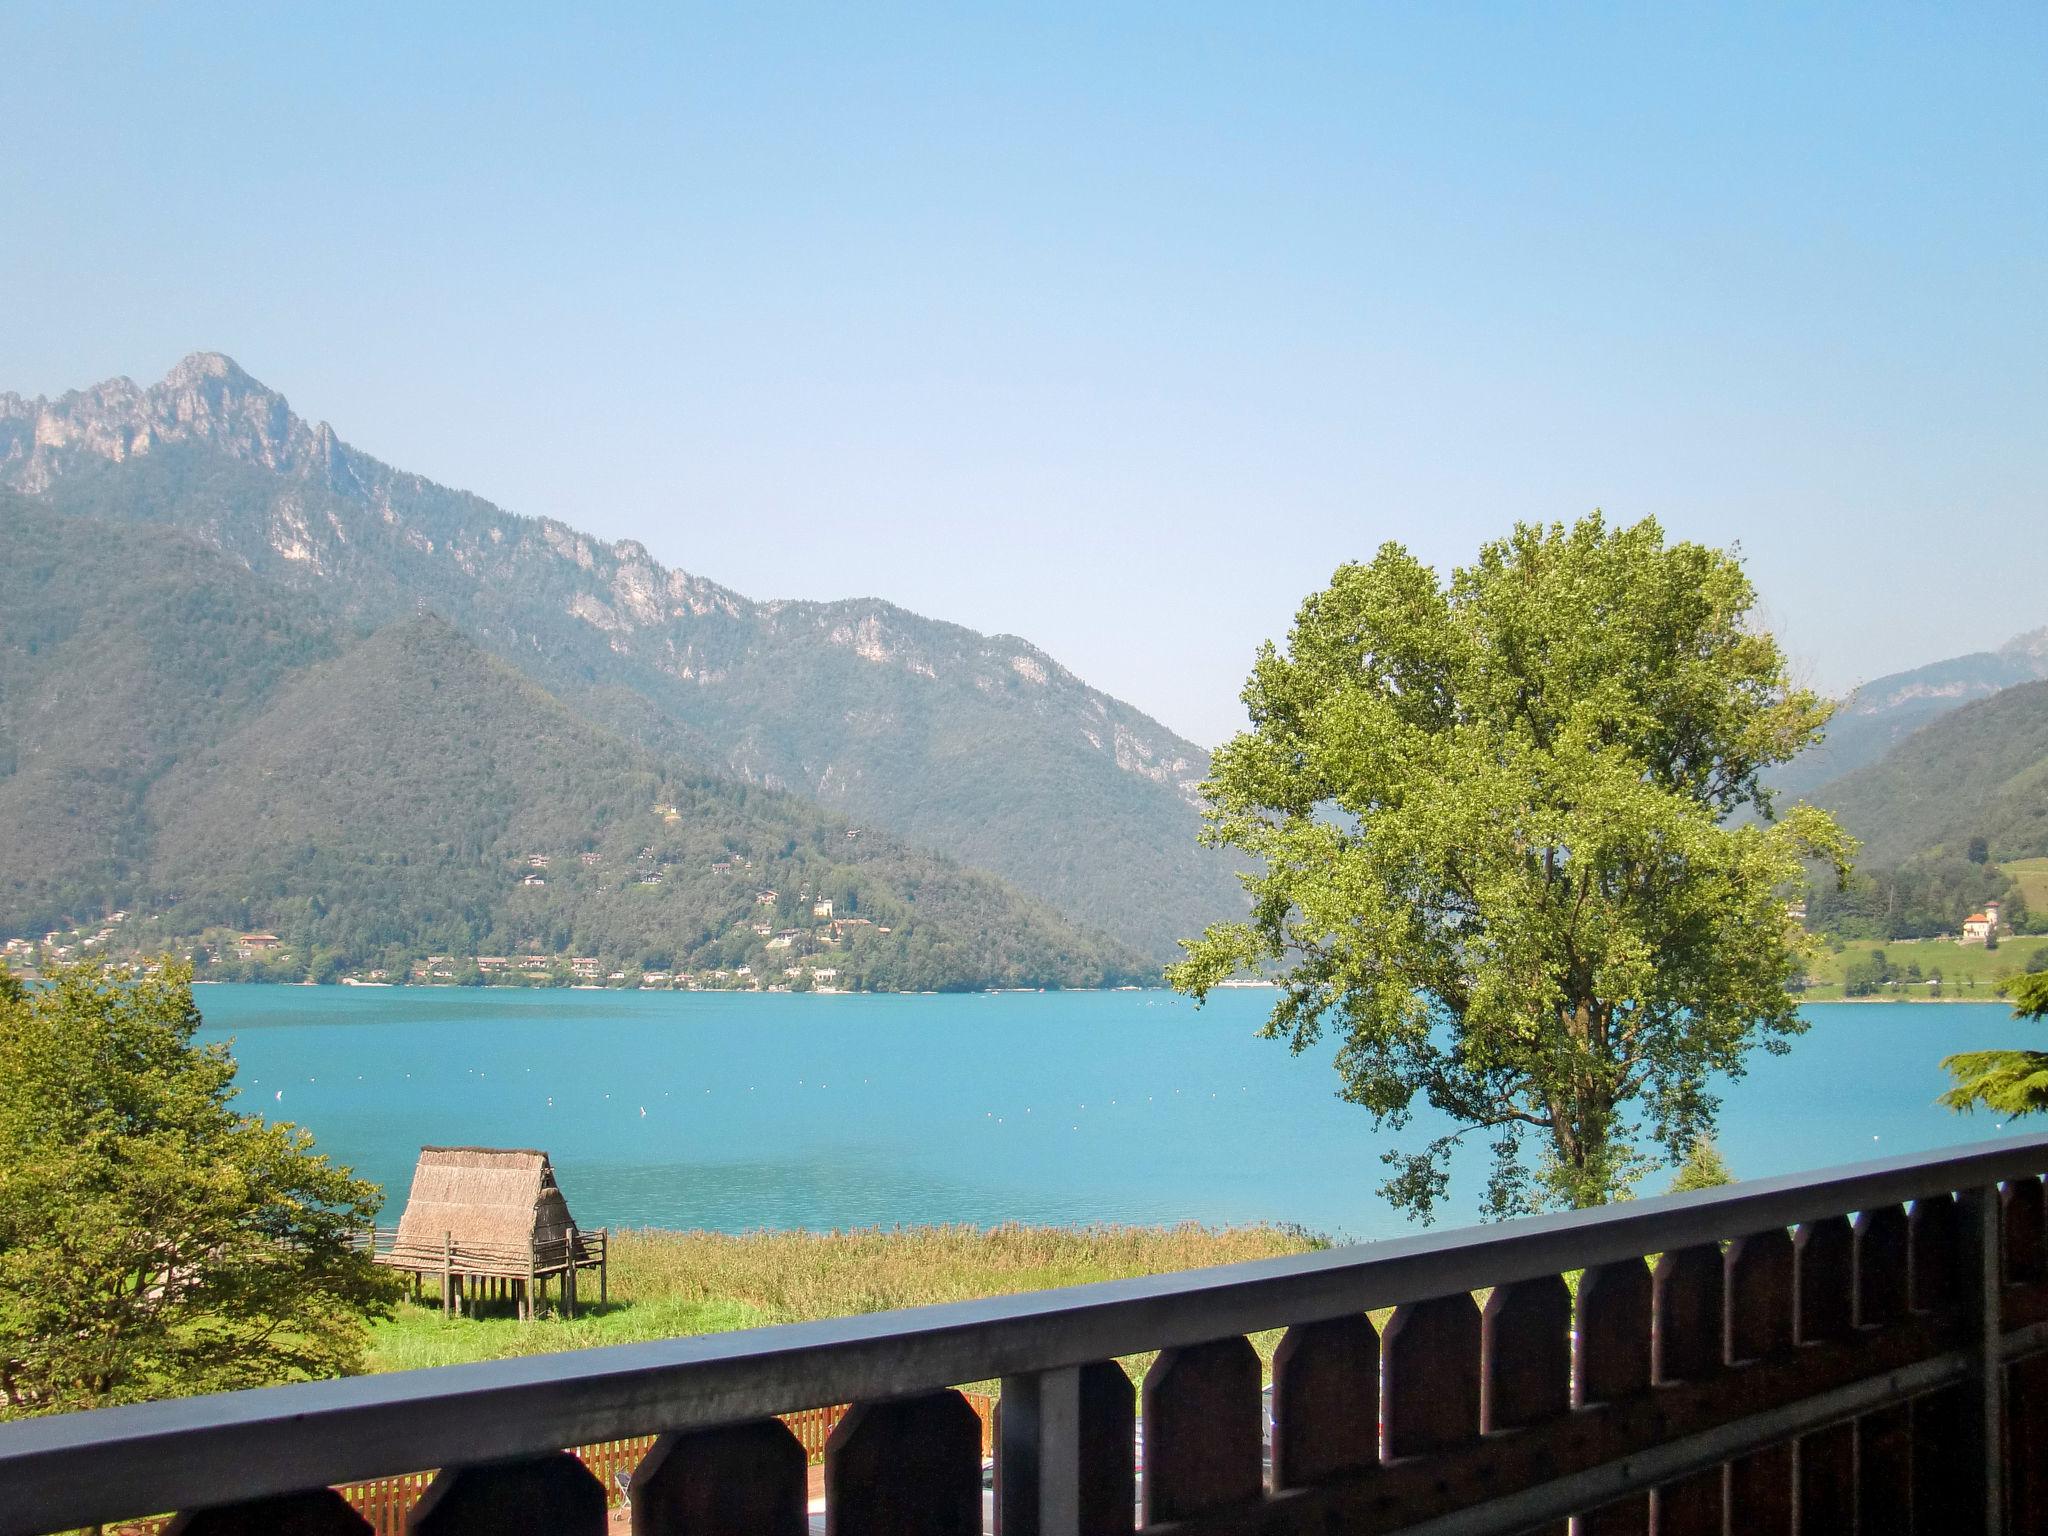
{"x": 1760, "y": 1307}
{"x": 1525, "y": 1333}
{"x": 536, "y": 1496}
{"x": 1525, "y": 1359}
{"x": 2026, "y": 1261}
{"x": 2026, "y": 1399}
{"x": 911, "y": 1467}
{"x": 1686, "y": 1291}
{"x": 2027, "y": 1445}
{"x": 1611, "y": 1364}
{"x": 1824, "y": 1267}
{"x": 1109, "y": 1467}
{"x": 1326, "y": 1401}
{"x": 1883, "y": 1259}
{"x": 1690, "y": 1507}
{"x": 1612, "y": 1323}
{"x": 1824, "y": 1295}
{"x": 1935, "y": 1236}
{"x": 1759, "y": 1303}
{"x": 1202, "y": 1440}
{"x": 1935, "y": 1280}
{"x": 1686, "y": 1345}
{"x": 1884, "y": 1472}
{"x": 1824, "y": 1480}
{"x": 1939, "y": 1456}
{"x": 320, "y": 1512}
{"x": 745, "y": 1480}
{"x": 1429, "y": 1377}
{"x": 1882, "y": 1256}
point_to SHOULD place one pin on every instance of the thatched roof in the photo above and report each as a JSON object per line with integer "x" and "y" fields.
{"x": 493, "y": 1201}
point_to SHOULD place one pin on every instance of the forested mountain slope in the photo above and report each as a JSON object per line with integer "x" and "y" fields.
{"x": 120, "y": 650}
{"x": 1978, "y": 771}
{"x": 1882, "y": 713}
{"x": 1938, "y": 815}
{"x": 179, "y": 736}
{"x": 979, "y": 746}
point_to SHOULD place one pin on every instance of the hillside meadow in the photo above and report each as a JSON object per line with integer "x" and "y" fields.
{"x": 1969, "y": 972}
{"x": 2031, "y": 876}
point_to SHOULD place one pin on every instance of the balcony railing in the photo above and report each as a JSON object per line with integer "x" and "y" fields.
{"x": 1861, "y": 1349}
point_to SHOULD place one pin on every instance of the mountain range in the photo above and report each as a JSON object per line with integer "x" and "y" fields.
{"x": 981, "y": 748}
{"x": 182, "y": 736}
{"x": 251, "y": 674}
{"x": 1878, "y": 715}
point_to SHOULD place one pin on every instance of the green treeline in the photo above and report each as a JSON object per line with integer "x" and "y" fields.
{"x": 1925, "y": 898}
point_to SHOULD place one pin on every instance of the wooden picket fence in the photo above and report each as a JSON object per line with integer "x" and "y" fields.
{"x": 386, "y": 1501}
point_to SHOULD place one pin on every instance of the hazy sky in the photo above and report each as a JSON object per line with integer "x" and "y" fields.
{"x": 1114, "y": 327}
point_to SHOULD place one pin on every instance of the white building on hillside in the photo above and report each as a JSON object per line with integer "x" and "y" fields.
{"x": 1981, "y": 926}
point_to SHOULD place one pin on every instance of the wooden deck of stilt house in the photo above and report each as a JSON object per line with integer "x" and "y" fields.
{"x": 490, "y": 1223}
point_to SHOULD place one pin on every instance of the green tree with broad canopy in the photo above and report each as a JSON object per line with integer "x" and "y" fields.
{"x": 2010, "y": 1082}
{"x": 1498, "y": 855}
{"x": 153, "y": 1241}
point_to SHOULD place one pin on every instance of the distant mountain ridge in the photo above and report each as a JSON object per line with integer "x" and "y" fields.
{"x": 1878, "y": 715}
{"x": 982, "y": 747}
{"x": 1980, "y": 770}
{"x": 182, "y": 737}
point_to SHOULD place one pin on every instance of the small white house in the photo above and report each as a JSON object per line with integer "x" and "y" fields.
{"x": 1978, "y": 927}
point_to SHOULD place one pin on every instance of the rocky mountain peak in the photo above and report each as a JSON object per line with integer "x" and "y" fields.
{"x": 206, "y": 397}
{"x": 199, "y": 369}
{"x": 2030, "y": 647}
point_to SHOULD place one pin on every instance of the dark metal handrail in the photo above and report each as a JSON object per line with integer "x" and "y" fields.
{"x": 114, "y": 1463}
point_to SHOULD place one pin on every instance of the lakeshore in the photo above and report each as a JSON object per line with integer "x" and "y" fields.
{"x": 1920, "y": 994}
{"x": 1932, "y": 970}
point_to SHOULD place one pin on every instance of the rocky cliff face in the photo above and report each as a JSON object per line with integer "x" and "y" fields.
{"x": 206, "y": 398}
{"x": 982, "y": 746}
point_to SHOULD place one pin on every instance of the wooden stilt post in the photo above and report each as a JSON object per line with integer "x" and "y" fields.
{"x": 529, "y": 1314}
{"x": 447, "y": 1274}
{"x": 569, "y": 1274}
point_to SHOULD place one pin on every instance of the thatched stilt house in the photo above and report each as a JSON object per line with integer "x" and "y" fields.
{"x": 491, "y": 1221}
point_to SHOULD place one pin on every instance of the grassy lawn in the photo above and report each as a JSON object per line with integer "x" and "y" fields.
{"x": 1969, "y": 971}
{"x": 2031, "y": 875}
{"x": 671, "y": 1284}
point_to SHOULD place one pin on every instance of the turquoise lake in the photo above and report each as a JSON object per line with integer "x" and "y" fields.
{"x": 740, "y": 1111}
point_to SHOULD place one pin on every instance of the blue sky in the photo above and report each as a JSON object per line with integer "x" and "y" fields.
{"x": 1117, "y": 328}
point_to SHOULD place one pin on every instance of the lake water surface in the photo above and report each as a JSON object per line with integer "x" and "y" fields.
{"x": 738, "y": 1111}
